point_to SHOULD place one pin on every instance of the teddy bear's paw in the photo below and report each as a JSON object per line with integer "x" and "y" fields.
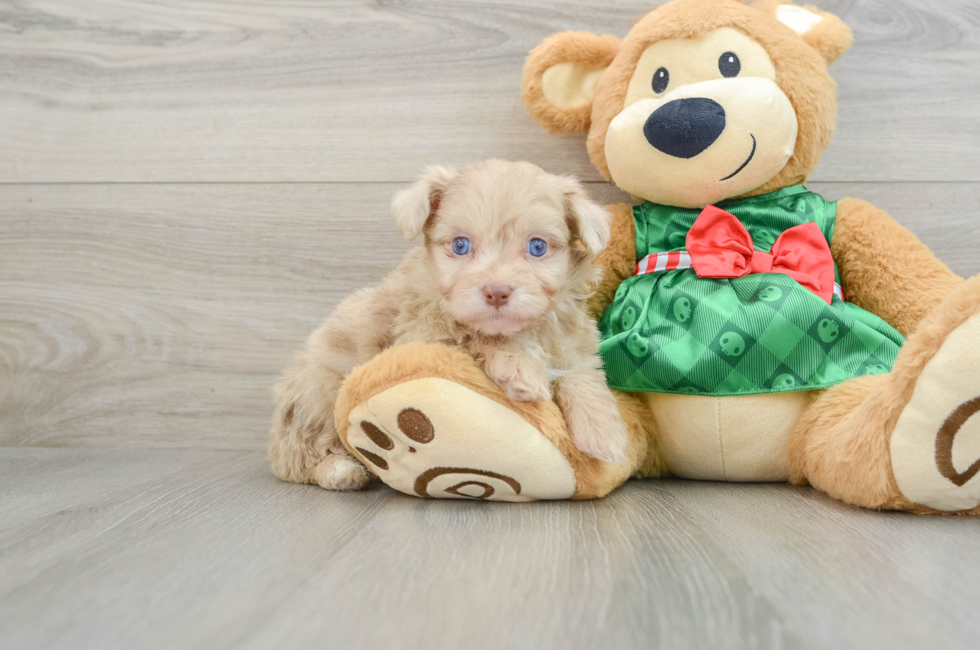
{"x": 341, "y": 472}
{"x": 434, "y": 438}
{"x": 935, "y": 448}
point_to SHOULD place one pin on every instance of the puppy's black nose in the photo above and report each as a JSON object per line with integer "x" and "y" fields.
{"x": 684, "y": 128}
{"x": 497, "y": 295}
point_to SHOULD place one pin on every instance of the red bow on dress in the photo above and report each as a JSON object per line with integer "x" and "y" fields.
{"x": 721, "y": 247}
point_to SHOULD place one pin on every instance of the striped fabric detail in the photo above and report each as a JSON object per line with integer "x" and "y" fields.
{"x": 679, "y": 260}
{"x": 657, "y": 262}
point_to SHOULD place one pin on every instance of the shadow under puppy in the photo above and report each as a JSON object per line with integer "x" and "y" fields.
{"x": 504, "y": 275}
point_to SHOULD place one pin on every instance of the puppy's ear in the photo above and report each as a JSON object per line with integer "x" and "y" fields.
{"x": 588, "y": 221}
{"x": 413, "y": 207}
{"x": 823, "y": 31}
{"x": 560, "y": 76}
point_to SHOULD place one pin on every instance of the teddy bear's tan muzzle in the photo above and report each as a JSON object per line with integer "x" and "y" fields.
{"x": 702, "y": 142}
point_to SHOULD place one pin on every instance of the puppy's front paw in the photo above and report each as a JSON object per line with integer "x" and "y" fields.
{"x": 523, "y": 379}
{"x": 598, "y": 434}
{"x": 341, "y": 472}
{"x": 523, "y": 391}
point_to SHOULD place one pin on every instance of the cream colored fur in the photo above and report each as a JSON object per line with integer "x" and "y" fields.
{"x": 540, "y": 344}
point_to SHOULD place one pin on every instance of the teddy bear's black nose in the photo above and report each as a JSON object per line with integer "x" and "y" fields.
{"x": 684, "y": 128}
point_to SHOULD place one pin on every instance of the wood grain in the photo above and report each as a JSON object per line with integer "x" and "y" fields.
{"x": 194, "y": 549}
{"x": 160, "y": 315}
{"x": 356, "y": 91}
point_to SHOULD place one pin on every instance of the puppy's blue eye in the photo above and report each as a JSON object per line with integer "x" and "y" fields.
{"x": 461, "y": 246}
{"x": 537, "y": 247}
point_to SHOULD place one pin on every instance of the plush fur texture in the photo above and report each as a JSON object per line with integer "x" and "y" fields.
{"x": 583, "y": 49}
{"x": 831, "y": 38}
{"x": 537, "y": 343}
{"x": 885, "y": 268}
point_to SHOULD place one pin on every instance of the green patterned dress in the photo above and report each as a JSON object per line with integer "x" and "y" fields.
{"x": 673, "y": 332}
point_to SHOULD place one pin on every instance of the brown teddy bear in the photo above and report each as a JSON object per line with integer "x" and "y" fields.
{"x": 753, "y": 330}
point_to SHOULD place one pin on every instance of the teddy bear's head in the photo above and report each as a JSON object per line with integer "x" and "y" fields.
{"x": 703, "y": 100}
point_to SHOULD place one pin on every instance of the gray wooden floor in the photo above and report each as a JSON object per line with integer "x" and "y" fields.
{"x": 186, "y": 189}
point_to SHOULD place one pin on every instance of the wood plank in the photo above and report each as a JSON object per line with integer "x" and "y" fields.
{"x": 190, "y": 549}
{"x": 182, "y": 554}
{"x": 354, "y": 90}
{"x": 172, "y": 307}
{"x": 822, "y": 560}
{"x": 157, "y": 315}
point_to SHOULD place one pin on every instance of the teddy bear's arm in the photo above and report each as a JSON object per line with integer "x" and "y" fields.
{"x": 617, "y": 260}
{"x": 885, "y": 269}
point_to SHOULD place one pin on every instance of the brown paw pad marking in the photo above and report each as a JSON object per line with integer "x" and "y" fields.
{"x": 377, "y": 436}
{"x": 422, "y": 482}
{"x": 944, "y": 443}
{"x": 487, "y": 489}
{"x": 373, "y": 458}
{"x": 414, "y": 424}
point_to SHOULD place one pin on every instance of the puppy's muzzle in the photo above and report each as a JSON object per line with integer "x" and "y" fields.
{"x": 684, "y": 128}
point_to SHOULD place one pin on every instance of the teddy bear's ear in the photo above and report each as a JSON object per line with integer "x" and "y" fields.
{"x": 823, "y": 31}
{"x": 413, "y": 207}
{"x": 560, "y": 76}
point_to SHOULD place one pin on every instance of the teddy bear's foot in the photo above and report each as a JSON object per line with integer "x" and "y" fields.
{"x": 432, "y": 437}
{"x": 935, "y": 448}
{"x": 908, "y": 440}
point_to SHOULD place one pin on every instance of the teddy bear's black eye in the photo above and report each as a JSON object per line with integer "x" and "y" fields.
{"x": 661, "y": 79}
{"x": 729, "y": 65}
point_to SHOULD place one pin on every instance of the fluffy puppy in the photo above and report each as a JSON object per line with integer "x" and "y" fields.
{"x": 503, "y": 275}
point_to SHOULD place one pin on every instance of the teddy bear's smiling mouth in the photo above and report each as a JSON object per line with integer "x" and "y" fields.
{"x": 746, "y": 163}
